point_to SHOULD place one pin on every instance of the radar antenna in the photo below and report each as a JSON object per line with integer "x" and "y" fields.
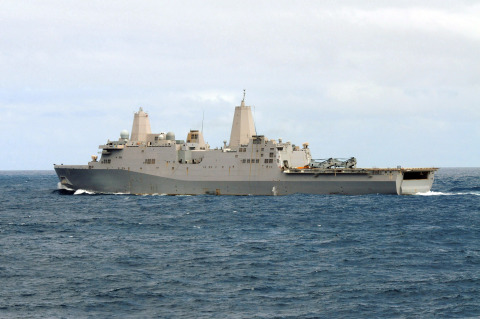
{"x": 243, "y": 95}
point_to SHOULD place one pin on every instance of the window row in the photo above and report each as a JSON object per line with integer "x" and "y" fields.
{"x": 244, "y": 149}
{"x": 250, "y": 161}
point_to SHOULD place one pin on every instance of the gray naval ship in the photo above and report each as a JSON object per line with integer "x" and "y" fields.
{"x": 250, "y": 164}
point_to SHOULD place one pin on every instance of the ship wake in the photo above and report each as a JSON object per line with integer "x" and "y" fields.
{"x": 431, "y": 193}
{"x": 87, "y": 192}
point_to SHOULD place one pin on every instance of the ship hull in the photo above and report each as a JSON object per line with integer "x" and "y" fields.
{"x": 357, "y": 182}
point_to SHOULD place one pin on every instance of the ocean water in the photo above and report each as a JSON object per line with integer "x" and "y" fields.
{"x": 299, "y": 256}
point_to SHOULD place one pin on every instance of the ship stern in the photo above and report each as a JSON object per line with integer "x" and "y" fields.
{"x": 416, "y": 181}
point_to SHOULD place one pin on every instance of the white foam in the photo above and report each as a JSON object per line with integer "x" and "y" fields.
{"x": 61, "y": 186}
{"x": 445, "y": 194}
{"x": 430, "y": 193}
{"x": 83, "y": 191}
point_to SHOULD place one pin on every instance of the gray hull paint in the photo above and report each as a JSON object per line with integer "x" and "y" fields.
{"x": 123, "y": 181}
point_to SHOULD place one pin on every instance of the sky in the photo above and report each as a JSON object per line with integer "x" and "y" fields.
{"x": 389, "y": 82}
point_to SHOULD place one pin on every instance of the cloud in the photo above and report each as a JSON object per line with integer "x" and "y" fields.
{"x": 464, "y": 22}
{"x": 335, "y": 74}
{"x": 355, "y": 91}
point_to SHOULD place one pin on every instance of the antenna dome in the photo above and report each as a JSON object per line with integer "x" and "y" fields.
{"x": 124, "y": 134}
{"x": 170, "y": 136}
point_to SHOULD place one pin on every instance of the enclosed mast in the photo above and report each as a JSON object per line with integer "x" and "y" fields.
{"x": 140, "y": 127}
{"x": 243, "y": 127}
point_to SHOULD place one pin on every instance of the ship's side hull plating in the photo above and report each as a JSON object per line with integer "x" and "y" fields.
{"x": 124, "y": 181}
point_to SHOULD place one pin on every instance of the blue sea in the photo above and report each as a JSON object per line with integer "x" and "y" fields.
{"x": 299, "y": 256}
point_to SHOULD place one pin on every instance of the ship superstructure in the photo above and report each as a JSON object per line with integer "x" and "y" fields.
{"x": 251, "y": 164}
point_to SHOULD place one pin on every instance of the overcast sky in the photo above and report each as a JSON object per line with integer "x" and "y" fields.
{"x": 389, "y": 82}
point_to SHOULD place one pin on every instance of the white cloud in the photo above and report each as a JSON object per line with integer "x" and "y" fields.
{"x": 316, "y": 71}
{"x": 360, "y": 91}
{"x": 464, "y": 22}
